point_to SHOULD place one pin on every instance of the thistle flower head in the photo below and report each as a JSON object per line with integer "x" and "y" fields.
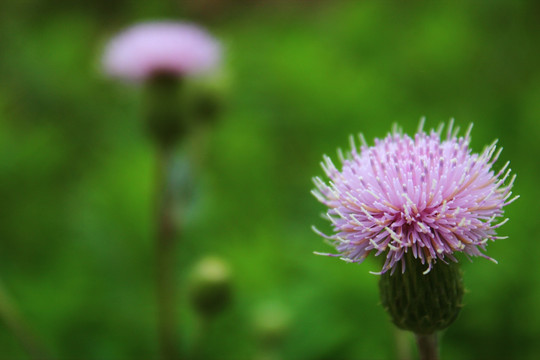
{"x": 425, "y": 195}
{"x": 161, "y": 47}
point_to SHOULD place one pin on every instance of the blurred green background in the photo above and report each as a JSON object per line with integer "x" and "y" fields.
{"x": 76, "y": 172}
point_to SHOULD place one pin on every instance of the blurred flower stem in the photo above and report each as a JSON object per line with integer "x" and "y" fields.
{"x": 202, "y": 328}
{"x": 166, "y": 234}
{"x": 14, "y": 322}
{"x": 166, "y": 126}
{"x": 428, "y": 346}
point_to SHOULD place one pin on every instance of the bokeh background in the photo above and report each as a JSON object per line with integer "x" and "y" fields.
{"x": 76, "y": 173}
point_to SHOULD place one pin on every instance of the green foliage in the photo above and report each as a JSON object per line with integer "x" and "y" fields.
{"x": 76, "y": 173}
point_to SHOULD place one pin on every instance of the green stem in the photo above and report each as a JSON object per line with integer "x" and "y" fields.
{"x": 13, "y": 320}
{"x": 428, "y": 346}
{"x": 165, "y": 257}
{"x": 200, "y": 337}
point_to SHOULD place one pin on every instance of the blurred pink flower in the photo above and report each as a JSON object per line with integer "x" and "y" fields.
{"x": 423, "y": 195}
{"x": 161, "y": 47}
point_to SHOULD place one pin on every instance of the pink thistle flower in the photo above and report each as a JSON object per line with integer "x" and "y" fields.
{"x": 423, "y": 195}
{"x": 161, "y": 47}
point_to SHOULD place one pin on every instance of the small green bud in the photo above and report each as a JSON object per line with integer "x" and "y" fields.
{"x": 210, "y": 290}
{"x": 206, "y": 98}
{"x": 422, "y": 303}
{"x": 271, "y": 322}
{"x": 207, "y": 106}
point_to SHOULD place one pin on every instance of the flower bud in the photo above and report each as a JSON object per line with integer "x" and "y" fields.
{"x": 211, "y": 286}
{"x": 207, "y": 97}
{"x": 271, "y": 322}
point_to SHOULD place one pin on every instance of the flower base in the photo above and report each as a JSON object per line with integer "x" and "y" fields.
{"x": 422, "y": 303}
